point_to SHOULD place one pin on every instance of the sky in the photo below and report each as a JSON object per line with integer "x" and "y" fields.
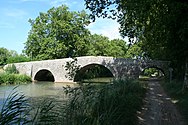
{"x": 14, "y": 25}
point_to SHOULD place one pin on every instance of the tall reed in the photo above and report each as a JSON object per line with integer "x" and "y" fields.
{"x": 17, "y": 109}
{"x": 14, "y": 109}
{"x": 108, "y": 104}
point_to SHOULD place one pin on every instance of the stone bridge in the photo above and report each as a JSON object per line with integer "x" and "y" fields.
{"x": 119, "y": 67}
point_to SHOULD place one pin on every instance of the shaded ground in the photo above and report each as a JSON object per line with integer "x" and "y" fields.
{"x": 158, "y": 108}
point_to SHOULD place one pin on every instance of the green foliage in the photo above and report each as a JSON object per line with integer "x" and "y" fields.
{"x": 117, "y": 48}
{"x": 72, "y": 68}
{"x": 6, "y": 78}
{"x": 102, "y": 46}
{"x": 44, "y": 113}
{"x": 58, "y": 33}
{"x": 11, "y": 56}
{"x": 91, "y": 72}
{"x": 11, "y": 76}
{"x": 135, "y": 51}
{"x": 19, "y": 79}
{"x": 149, "y": 71}
{"x": 108, "y": 104}
{"x": 161, "y": 26}
{"x": 17, "y": 59}
{"x": 152, "y": 72}
{"x": 11, "y": 69}
{"x": 4, "y": 54}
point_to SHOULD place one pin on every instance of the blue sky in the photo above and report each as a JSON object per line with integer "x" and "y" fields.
{"x": 14, "y": 25}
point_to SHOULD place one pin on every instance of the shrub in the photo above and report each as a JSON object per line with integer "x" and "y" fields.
{"x": 1, "y": 78}
{"x": 14, "y": 78}
{"x": 22, "y": 78}
{"x": 17, "y": 59}
{"x": 11, "y": 69}
{"x": 7, "y": 78}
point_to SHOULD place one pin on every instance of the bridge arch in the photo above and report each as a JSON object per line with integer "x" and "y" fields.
{"x": 44, "y": 75}
{"x": 162, "y": 71}
{"x": 94, "y": 68}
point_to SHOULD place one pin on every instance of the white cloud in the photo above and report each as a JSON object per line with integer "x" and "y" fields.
{"x": 106, "y": 27}
{"x": 15, "y": 13}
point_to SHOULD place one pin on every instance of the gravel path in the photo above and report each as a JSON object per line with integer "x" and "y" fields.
{"x": 158, "y": 108}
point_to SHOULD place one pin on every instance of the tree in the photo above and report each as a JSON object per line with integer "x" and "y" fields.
{"x": 58, "y": 33}
{"x": 4, "y": 54}
{"x": 135, "y": 51}
{"x": 11, "y": 56}
{"x": 102, "y": 46}
{"x": 161, "y": 25}
{"x": 117, "y": 48}
{"x": 16, "y": 58}
{"x": 98, "y": 45}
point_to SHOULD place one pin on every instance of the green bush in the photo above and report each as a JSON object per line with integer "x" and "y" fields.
{"x": 22, "y": 78}
{"x": 1, "y": 78}
{"x": 11, "y": 69}
{"x": 4, "y": 77}
{"x": 17, "y": 59}
{"x": 14, "y": 78}
{"x": 9, "y": 78}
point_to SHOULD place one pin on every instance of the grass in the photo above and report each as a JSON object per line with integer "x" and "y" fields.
{"x": 179, "y": 96}
{"x": 6, "y": 78}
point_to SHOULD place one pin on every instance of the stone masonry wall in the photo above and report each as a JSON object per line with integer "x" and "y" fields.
{"x": 120, "y": 67}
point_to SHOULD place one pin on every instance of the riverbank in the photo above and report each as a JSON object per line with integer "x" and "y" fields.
{"x": 6, "y": 78}
{"x": 10, "y": 76}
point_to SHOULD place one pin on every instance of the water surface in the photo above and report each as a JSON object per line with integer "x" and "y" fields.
{"x": 36, "y": 91}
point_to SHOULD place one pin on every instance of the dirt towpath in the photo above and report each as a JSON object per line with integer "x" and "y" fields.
{"x": 158, "y": 108}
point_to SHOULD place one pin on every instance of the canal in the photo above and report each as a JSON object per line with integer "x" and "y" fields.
{"x": 36, "y": 91}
